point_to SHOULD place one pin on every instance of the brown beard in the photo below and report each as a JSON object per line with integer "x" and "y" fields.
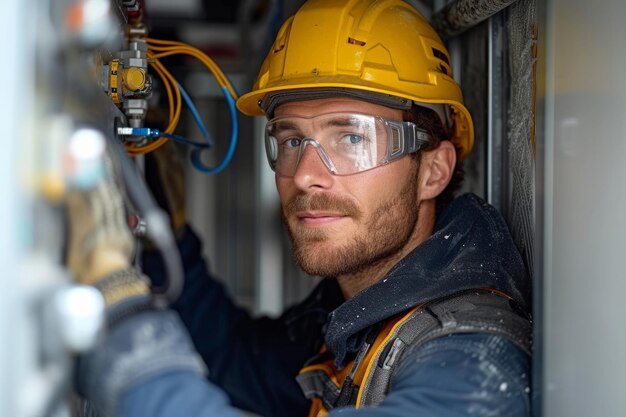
{"x": 382, "y": 236}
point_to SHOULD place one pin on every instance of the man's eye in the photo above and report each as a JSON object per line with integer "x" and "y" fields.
{"x": 352, "y": 139}
{"x": 292, "y": 142}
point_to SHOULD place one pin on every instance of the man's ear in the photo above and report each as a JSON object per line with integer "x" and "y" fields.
{"x": 436, "y": 169}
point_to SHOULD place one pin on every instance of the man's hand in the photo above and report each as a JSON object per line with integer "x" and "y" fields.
{"x": 100, "y": 241}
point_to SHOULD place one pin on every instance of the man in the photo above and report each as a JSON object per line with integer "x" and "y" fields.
{"x": 366, "y": 128}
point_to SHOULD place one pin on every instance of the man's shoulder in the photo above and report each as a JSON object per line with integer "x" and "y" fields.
{"x": 469, "y": 351}
{"x": 484, "y": 371}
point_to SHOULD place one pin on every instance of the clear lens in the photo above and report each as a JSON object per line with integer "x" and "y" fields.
{"x": 347, "y": 143}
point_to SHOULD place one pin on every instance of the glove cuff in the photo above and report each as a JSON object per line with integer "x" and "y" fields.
{"x": 126, "y": 292}
{"x": 123, "y": 284}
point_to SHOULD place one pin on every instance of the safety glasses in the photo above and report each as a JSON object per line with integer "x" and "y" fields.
{"x": 347, "y": 143}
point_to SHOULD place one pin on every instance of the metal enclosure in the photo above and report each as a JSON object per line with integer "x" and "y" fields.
{"x": 581, "y": 204}
{"x": 12, "y": 362}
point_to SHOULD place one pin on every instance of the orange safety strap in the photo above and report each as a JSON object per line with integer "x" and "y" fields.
{"x": 338, "y": 377}
{"x": 326, "y": 372}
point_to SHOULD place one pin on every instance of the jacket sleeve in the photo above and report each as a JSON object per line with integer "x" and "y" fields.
{"x": 147, "y": 367}
{"x": 457, "y": 376}
{"x": 254, "y": 360}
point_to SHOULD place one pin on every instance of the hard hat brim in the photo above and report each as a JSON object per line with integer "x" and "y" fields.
{"x": 250, "y": 104}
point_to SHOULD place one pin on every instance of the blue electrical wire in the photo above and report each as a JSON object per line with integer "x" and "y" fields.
{"x": 196, "y": 159}
{"x": 194, "y": 113}
{"x": 156, "y": 133}
{"x": 180, "y": 139}
{"x": 195, "y": 154}
{"x": 232, "y": 86}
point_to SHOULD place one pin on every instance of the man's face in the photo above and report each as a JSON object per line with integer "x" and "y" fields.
{"x": 344, "y": 224}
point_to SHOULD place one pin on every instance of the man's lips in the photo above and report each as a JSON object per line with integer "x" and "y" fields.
{"x": 319, "y": 210}
{"x": 318, "y": 218}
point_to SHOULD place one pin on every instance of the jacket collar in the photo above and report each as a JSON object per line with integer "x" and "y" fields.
{"x": 470, "y": 248}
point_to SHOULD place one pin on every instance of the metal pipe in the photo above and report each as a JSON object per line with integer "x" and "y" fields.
{"x": 460, "y": 15}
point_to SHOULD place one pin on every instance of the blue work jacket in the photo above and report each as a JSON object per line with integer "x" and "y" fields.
{"x": 150, "y": 363}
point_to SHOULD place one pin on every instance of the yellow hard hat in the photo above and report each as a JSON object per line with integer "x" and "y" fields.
{"x": 380, "y": 48}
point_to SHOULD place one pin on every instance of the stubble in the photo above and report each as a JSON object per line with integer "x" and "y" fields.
{"x": 379, "y": 237}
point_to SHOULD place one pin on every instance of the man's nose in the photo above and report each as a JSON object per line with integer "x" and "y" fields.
{"x": 311, "y": 169}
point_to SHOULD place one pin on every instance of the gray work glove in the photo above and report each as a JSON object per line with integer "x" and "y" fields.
{"x": 101, "y": 244}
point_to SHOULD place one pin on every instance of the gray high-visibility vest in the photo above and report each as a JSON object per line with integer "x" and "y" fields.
{"x": 475, "y": 311}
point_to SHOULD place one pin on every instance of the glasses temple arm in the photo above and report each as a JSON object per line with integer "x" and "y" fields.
{"x": 415, "y": 138}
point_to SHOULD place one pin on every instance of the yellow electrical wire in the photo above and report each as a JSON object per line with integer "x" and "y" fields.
{"x": 168, "y": 88}
{"x": 160, "y": 49}
{"x": 176, "y": 48}
{"x": 132, "y": 148}
{"x": 219, "y": 76}
{"x": 175, "y": 106}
